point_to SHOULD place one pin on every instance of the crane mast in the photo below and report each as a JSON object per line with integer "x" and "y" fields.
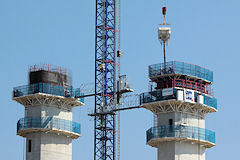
{"x": 105, "y": 80}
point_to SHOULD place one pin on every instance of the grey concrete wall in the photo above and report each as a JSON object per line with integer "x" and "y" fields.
{"x": 163, "y": 118}
{"x": 166, "y": 151}
{"x": 56, "y": 112}
{"x": 188, "y": 151}
{"x": 55, "y": 147}
{"x": 189, "y": 120}
{"x": 180, "y": 151}
{"x": 33, "y": 111}
{"x": 46, "y": 111}
{"x": 48, "y": 146}
{"x": 181, "y": 118}
{"x": 36, "y": 145}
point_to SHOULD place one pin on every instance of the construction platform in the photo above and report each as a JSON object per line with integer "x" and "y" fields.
{"x": 156, "y": 135}
{"x": 48, "y": 125}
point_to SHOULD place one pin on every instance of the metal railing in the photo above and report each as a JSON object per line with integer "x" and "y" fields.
{"x": 155, "y": 96}
{"x": 48, "y": 89}
{"x": 175, "y": 67}
{"x": 49, "y": 68}
{"x": 207, "y": 89}
{"x": 180, "y": 131}
{"x": 209, "y": 101}
{"x": 48, "y": 123}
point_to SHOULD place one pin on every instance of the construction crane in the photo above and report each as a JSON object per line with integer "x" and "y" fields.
{"x": 110, "y": 85}
{"x": 109, "y": 88}
{"x": 105, "y": 80}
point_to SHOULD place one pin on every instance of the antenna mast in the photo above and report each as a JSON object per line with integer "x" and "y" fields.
{"x": 164, "y": 33}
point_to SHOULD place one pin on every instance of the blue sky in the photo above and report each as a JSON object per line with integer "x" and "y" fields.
{"x": 61, "y": 32}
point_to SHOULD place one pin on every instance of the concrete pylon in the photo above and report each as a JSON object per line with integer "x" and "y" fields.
{"x": 47, "y": 126}
{"x": 179, "y": 100}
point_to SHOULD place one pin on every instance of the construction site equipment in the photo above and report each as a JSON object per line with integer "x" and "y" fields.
{"x": 181, "y": 96}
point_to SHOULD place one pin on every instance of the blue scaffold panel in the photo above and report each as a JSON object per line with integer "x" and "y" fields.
{"x": 175, "y": 67}
{"x": 210, "y": 101}
{"x": 48, "y": 123}
{"x": 179, "y": 131}
{"x": 47, "y": 89}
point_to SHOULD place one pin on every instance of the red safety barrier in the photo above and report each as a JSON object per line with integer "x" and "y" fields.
{"x": 193, "y": 85}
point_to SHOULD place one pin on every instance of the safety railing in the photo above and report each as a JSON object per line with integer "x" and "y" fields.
{"x": 175, "y": 67}
{"x": 47, "y": 89}
{"x": 207, "y": 89}
{"x": 48, "y": 123}
{"x": 181, "y": 131}
{"x": 156, "y": 96}
{"x": 209, "y": 101}
{"x": 49, "y": 68}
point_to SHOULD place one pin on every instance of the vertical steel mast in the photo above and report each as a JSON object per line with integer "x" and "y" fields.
{"x": 105, "y": 80}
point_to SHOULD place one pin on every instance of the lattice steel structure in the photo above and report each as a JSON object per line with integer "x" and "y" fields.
{"x": 105, "y": 80}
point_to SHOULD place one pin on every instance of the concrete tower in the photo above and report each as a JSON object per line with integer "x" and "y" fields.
{"x": 47, "y": 126}
{"x": 179, "y": 100}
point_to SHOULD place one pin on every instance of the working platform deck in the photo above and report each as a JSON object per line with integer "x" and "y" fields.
{"x": 180, "y": 68}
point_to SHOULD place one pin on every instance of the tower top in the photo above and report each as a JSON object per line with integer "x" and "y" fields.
{"x": 54, "y": 75}
{"x": 49, "y": 68}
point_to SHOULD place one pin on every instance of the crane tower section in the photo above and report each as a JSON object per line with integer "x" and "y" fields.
{"x": 105, "y": 80}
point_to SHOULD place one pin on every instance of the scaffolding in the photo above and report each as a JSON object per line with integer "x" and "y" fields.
{"x": 48, "y": 123}
{"x": 181, "y": 68}
{"x": 47, "y": 88}
{"x": 49, "y": 68}
{"x": 181, "y": 131}
{"x": 157, "y": 96}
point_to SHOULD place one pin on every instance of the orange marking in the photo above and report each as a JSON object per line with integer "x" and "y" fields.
{"x": 111, "y": 62}
{"x": 108, "y": 95}
{"x": 111, "y": 29}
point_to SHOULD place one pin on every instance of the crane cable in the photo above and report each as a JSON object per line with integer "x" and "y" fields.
{"x": 23, "y": 149}
{"x": 119, "y": 26}
{"x": 198, "y": 133}
{"x": 119, "y": 75}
